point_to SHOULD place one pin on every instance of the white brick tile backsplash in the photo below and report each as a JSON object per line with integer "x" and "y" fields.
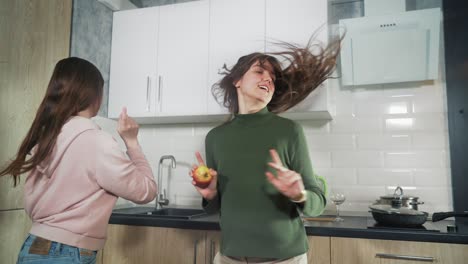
{"x": 203, "y": 128}
{"x": 342, "y": 125}
{"x": 426, "y": 159}
{"x": 366, "y": 125}
{"x": 428, "y": 103}
{"x": 383, "y": 141}
{"x": 382, "y": 136}
{"x": 375, "y": 177}
{"x": 337, "y": 176}
{"x": 344, "y": 104}
{"x": 315, "y": 126}
{"x": 428, "y": 141}
{"x": 188, "y": 143}
{"x": 432, "y": 177}
{"x": 320, "y": 158}
{"x": 357, "y": 159}
{"x": 399, "y": 124}
{"x": 369, "y": 108}
{"x": 430, "y": 123}
{"x": 357, "y": 125}
{"x": 331, "y": 142}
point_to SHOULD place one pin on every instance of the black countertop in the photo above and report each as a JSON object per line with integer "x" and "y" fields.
{"x": 352, "y": 226}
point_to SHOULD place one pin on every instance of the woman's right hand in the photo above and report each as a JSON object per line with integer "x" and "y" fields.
{"x": 210, "y": 191}
{"x": 128, "y": 129}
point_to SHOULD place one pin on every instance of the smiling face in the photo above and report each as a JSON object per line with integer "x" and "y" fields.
{"x": 257, "y": 86}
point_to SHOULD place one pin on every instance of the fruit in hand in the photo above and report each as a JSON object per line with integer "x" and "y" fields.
{"x": 202, "y": 176}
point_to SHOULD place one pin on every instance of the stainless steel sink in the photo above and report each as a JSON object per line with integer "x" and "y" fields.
{"x": 173, "y": 213}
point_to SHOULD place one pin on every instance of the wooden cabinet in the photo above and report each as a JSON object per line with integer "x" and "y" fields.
{"x": 133, "y": 70}
{"x": 213, "y": 239}
{"x": 138, "y": 244}
{"x": 370, "y": 251}
{"x": 18, "y": 225}
{"x": 141, "y": 244}
{"x": 319, "y": 250}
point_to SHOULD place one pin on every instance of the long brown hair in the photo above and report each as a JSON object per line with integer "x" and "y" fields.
{"x": 307, "y": 67}
{"x": 75, "y": 85}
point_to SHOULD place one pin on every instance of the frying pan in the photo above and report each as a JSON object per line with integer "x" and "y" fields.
{"x": 409, "y": 217}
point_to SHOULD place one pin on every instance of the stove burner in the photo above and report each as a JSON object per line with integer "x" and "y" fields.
{"x": 426, "y": 227}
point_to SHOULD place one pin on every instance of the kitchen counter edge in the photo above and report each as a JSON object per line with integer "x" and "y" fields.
{"x": 351, "y": 227}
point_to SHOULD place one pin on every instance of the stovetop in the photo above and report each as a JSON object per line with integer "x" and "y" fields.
{"x": 426, "y": 227}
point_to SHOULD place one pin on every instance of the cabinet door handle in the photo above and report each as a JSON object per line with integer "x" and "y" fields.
{"x": 404, "y": 257}
{"x": 160, "y": 87}
{"x": 195, "y": 252}
{"x": 212, "y": 251}
{"x": 148, "y": 91}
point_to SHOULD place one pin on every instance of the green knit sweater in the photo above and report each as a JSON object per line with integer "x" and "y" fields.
{"x": 256, "y": 220}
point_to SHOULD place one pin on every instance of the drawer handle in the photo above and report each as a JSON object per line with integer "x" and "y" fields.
{"x": 160, "y": 87}
{"x": 394, "y": 256}
{"x": 148, "y": 91}
{"x": 212, "y": 251}
{"x": 195, "y": 252}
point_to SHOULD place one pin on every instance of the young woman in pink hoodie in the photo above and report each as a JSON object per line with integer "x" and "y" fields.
{"x": 76, "y": 170}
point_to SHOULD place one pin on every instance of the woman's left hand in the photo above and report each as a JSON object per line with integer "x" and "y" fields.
{"x": 288, "y": 182}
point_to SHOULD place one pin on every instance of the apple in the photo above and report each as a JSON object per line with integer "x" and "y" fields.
{"x": 202, "y": 176}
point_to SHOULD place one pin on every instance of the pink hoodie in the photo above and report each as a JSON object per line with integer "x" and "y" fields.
{"x": 70, "y": 196}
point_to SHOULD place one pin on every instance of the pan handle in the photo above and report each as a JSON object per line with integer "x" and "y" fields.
{"x": 442, "y": 215}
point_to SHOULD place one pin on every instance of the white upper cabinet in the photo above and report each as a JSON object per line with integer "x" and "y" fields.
{"x": 166, "y": 59}
{"x": 134, "y": 62}
{"x": 237, "y": 28}
{"x": 295, "y": 23}
{"x": 183, "y": 58}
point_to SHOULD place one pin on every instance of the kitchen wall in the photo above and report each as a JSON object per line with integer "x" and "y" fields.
{"x": 382, "y": 136}
{"x": 91, "y": 38}
{"x": 34, "y": 35}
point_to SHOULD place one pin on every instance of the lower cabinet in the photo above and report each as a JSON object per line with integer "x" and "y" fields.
{"x": 319, "y": 250}
{"x": 213, "y": 239}
{"x": 142, "y": 244}
{"x": 14, "y": 228}
{"x": 373, "y": 251}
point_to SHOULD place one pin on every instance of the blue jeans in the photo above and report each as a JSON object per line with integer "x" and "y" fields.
{"x": 41, "y": 251}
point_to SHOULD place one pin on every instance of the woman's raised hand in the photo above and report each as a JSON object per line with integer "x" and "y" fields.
{"x": 210, "y": 191}
{"x": 288, "y": 182}
{"x": 128, "y": 129}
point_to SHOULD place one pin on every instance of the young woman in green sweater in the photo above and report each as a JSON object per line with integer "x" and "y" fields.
{"x": 260, "y": 162}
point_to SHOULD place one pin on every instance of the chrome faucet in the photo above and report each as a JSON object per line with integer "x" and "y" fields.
{"x": 162, "y": 198}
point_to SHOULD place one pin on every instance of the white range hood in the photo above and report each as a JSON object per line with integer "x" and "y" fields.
{"x": 388, "y": 48}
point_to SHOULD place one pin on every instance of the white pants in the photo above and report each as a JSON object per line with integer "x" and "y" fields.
{"x": 221, "y": 259}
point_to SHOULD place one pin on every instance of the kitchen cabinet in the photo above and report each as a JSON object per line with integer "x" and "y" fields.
{"x": 141, "y": 244}
{"x": 237, "y": 28}
{"x": 18, "y": 224}
{"x": 159, "y": 61}
{"x": 319, "y": 250}
{"x": 166, "y": 59}
{"x": 183, "y": 58}
{"x": 295, "y": 23}
{"x": 213, "y": 239}
{"x": 373, "y": 251}
{"x": 133, "y": 68}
